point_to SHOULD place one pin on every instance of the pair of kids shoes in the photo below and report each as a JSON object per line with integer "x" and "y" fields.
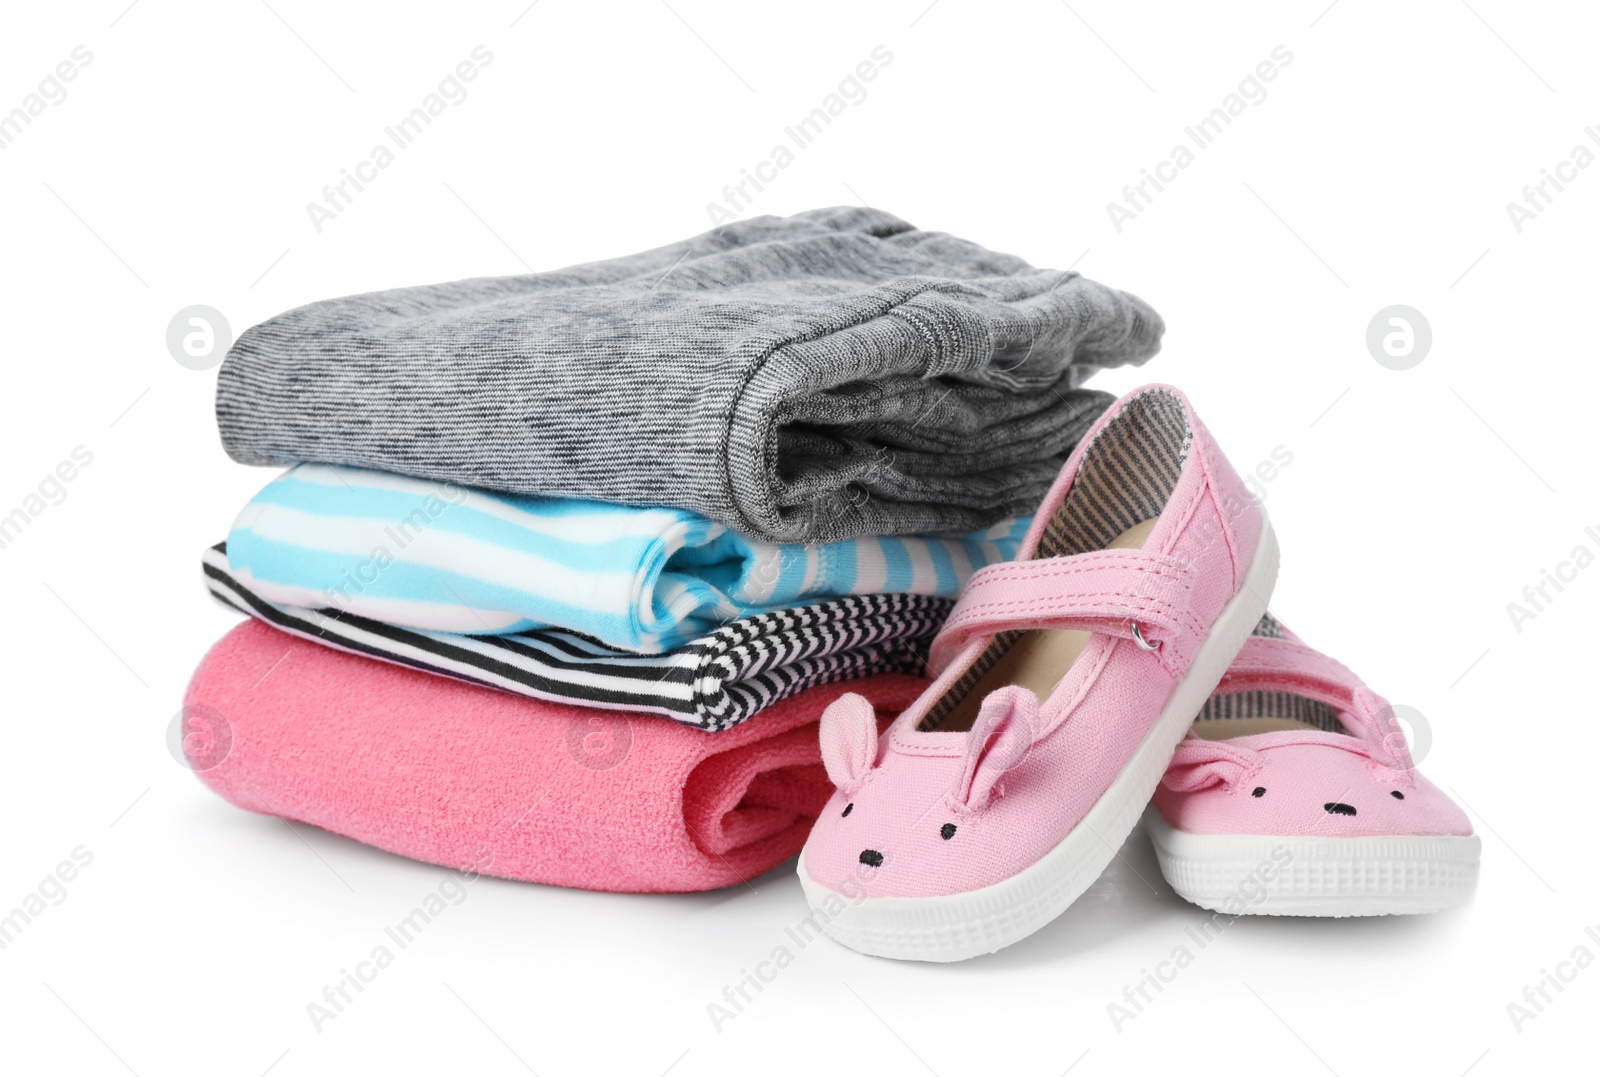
{"x": 1068, "y": 685}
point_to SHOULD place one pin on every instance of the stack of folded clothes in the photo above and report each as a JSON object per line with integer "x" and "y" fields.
{"x": 631, "y": 526}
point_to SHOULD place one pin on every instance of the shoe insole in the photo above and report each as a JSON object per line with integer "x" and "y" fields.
{"x": 1039, "y": 658}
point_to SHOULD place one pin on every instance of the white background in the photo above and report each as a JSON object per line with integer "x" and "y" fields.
{"x": 1418, "y": 503}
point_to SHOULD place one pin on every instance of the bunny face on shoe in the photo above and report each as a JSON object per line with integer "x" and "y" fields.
{"x": 890, "y": 830}
{"x": 1297, "y": 782}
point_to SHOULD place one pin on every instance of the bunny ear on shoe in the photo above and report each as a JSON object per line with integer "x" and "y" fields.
{"x": 1201, "y": 764}
{"x": 849, "y": 733}
{"x": 1000, "y": 737}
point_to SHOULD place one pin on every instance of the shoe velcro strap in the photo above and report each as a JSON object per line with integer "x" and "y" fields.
{"x": 1265, "y": 664}
{"x": 1107, "y": 591}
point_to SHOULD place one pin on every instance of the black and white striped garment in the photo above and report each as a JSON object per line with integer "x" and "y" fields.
{"x": 714, "y": 682}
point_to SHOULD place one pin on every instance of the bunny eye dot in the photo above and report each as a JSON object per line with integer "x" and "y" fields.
{"x": 848, "y": 808}
{"x": 1259, "y": 791}
{"x": 1397, "y": 794}
{"x": 947, "y": 831}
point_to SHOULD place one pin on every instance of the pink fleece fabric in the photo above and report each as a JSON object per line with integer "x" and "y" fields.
{"x": 454, "y": 774}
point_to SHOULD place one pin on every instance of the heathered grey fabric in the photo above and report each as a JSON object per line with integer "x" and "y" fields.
{"x": 804, "y": 379}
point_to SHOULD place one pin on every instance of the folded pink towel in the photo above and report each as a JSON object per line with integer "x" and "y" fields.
{"x": 463, "y": 776}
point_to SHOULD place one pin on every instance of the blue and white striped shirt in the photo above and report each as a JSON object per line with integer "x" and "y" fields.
{"x": 440, "y": 557}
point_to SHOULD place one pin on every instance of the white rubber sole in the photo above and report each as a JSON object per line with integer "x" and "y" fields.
{"x": 1280, "y": 875}
{"x": 954, "y": 927}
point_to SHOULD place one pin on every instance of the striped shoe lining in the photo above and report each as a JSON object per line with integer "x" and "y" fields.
{"x": 1272, "y": 705}
{"x": 1126, "y": 476}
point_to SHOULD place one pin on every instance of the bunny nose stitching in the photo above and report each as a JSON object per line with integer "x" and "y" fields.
{"x": 1334, "y": 809}
{"x": 871, "y": 857}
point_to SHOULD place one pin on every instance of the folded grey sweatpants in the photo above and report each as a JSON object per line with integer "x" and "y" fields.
{"x": 810, "y": 378}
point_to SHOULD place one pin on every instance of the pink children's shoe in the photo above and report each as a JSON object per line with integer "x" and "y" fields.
{"x": 1064, "y": 680}
{"x": 1295, "y": 795}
